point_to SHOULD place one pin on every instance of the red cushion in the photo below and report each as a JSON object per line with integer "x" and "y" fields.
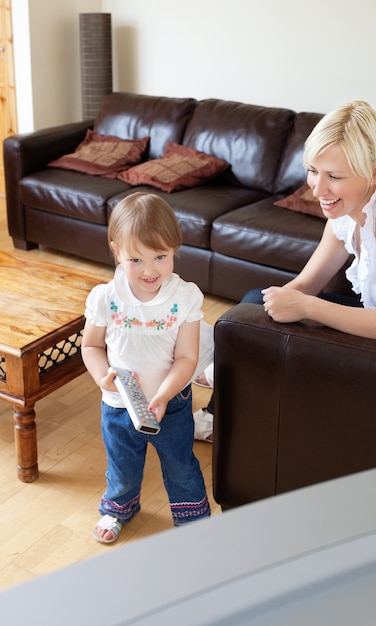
{"x": 302, "y": 200}
{"x": 179, "y": 167}
{"x": 103, "y": 155}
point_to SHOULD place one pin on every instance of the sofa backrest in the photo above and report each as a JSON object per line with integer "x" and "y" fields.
{"x": 291, "y": 173}
{"x": 251, "y": 138}
{"x": 133, "y": 116}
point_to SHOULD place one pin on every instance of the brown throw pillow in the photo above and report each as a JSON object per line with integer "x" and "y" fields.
{"x": 302, "y": 200}
{"x": 179, "y": 167}
{"x": 103, "y": 155}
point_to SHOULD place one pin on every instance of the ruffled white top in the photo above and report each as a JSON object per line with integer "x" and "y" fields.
{"x": 362, "y": 272}
{"x": 141, "y": 336}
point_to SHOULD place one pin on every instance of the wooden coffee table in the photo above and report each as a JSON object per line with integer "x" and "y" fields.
{"x": 41, "y": 309}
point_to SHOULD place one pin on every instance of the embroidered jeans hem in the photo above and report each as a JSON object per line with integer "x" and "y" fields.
{"x": 124, "y": 512}
{"x": 186, "y": 512}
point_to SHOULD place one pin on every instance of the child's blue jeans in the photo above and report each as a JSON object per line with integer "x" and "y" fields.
{"x": 126, "y": 451}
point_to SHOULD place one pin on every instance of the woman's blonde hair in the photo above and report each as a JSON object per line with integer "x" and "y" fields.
{"x": 353, "y": 127}
{"x": 146, "y": 218}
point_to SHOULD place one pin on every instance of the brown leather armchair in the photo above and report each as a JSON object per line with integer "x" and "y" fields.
{"x": 295, "y": 404}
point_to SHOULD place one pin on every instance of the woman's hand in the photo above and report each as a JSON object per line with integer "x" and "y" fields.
{"x": 285, "y": 305}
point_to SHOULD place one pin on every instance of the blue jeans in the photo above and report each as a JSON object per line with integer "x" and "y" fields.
{"x": 126, "y": 452}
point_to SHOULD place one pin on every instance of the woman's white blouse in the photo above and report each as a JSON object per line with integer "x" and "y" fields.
{"x": 362, "y": 272}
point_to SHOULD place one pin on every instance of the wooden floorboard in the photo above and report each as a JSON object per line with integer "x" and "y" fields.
{"x": 47, "y": 524}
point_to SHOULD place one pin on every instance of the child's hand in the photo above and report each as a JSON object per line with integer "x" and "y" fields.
{"x": 158, "y": 405}
{"x": 107, "y": 382}
{"x": 136, "y": 377}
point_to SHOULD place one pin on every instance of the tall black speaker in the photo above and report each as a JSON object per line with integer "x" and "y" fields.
{"x": 96, "y": 61}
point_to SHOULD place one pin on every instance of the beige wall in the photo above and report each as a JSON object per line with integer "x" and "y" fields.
{"x": 306, "y": 56}
{"x": 47, "y": 60}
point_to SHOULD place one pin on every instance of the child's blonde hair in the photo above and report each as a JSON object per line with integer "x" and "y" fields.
{"x": 146, "y": 218}
{"x": 353, "y": 128}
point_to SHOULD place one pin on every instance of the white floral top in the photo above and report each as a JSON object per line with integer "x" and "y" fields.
{"x": 141, "y": 336}
{"x": 362, "y": 272}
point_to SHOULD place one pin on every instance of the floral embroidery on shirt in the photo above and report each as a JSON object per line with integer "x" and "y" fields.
{"x": 129, "y": 322}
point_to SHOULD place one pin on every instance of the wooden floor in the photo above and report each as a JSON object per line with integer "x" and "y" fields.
{"x": 47, "y": 524}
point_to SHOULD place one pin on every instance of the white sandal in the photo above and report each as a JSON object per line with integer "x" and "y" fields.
{"x": 107, "y": 522}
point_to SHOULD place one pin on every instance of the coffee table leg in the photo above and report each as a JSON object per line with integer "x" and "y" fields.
{"x": 25, "y": 436}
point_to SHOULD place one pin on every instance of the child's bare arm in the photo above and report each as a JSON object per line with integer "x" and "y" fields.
{"x": 94, "y": 355}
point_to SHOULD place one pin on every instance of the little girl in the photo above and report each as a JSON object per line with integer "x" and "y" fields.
{"x": 147, "y": 320}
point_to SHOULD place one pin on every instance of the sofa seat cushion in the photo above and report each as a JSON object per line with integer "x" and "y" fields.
{"x": 268, "y": 235}
{"x": 197, "y": 208}
{"x": 70, "y": 194}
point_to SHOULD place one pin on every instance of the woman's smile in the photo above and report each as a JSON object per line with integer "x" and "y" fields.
{"x": 339, "y": 190}
{"x": 329, "y": 205}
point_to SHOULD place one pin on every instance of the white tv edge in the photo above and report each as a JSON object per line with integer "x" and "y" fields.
{"x": 332, "y": 586}
{"x": 307, "y": 557}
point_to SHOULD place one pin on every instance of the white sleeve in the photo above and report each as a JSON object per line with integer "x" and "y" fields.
{"x": 193, "y": 299}
{"x": 96, "y": 309}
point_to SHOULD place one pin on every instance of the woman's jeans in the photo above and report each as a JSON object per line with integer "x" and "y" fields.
{"x": 126, "y": 452}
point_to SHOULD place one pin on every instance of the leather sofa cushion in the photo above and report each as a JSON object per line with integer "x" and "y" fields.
{"x": 133, "y": 116}
{"x": 198, "y": 207}
{"x": 268, "y": 235}
{"x": 70, "y": 194}
{"x": 291, "y": 172}
{"x": 242, "y": 135}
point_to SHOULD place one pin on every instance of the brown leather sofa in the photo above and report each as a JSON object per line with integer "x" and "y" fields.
{"x": 234, "y": 237}
{"x": 294, "y": 405}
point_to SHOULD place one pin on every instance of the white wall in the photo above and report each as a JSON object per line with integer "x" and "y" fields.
{"x": 47, "y": 60}
{"x": 306, "y": 56}
{"x": 22, "y": 65}
{"x": 55, "y": 58}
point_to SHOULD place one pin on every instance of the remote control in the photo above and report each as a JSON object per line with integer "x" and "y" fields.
{"x": 136, "y": 403}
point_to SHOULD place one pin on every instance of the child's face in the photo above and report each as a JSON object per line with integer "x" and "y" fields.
{"x": 146, "y": 269}
{"x": 340, "y": 191}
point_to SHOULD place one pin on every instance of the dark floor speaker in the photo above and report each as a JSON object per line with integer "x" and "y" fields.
{"x": 96, "y": 61}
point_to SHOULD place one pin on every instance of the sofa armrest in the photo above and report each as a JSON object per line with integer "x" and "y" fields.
{"x": 294, "y": 405}
{"x": 28, "y": 153}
